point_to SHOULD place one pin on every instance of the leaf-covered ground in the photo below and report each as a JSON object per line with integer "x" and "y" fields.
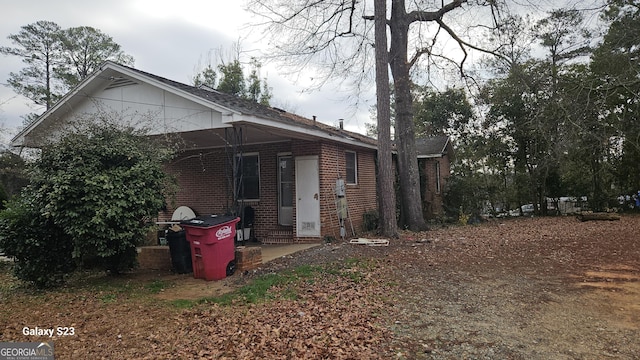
{"x": 529, "y": 288}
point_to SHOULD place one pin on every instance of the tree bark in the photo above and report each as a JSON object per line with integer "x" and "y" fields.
{"x": 308, "y": 29}
{"x": 405, "y": 128}
{"x": 386, "y": 192}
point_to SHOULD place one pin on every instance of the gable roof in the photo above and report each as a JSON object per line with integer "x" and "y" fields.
{"x": 434, "y": 146}
{"x": 249, "y": 107}
{"x": 233, "y": 106}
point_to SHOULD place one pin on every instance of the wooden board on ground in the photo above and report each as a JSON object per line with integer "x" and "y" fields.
{"x": 598, "y": 216}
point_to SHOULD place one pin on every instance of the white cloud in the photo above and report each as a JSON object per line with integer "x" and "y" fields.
{"x": 167, "y": 38}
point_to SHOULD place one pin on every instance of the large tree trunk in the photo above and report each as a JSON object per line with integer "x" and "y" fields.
{"x": 405, "y": 128}
{"x": 386, "y": 192}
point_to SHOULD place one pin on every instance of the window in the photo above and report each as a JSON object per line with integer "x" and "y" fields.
{"x": 286, "y": 190}
{"x": 351, "y": 162}
{"x": 248, "y": 177}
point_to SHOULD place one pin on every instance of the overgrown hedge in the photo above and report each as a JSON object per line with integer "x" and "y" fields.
{"x": 41, "y": 249}
{"x": 91, "y": 195}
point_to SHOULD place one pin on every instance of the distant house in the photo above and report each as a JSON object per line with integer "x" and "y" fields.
{"x": 237, "y": 154}
{"x": 435, "y": 155}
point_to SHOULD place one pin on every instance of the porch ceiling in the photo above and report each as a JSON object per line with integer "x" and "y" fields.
{"x": 251, "y": 134}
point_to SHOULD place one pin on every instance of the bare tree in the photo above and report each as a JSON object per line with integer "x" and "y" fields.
{"x": 330, "y": 39}
{"x": 386, "y": 192}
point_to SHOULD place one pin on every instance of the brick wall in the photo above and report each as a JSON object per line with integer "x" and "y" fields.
{"x": 248, "y": 258}
{"x": 202, "y": 185}
{"x": 432, "y": 198}
{"x": 154, "y": 258}
{"x": 201, "y": 181}
{"x": 361, "y": 197}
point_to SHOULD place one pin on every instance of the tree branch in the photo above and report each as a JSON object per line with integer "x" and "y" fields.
{"x": 424, "y": 50}
{"x": 463, "y": 43}
{"x": 418, "y": 15}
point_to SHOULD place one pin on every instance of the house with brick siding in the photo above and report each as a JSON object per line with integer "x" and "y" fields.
{"x": 293, "y": 176}
{"x": 435, "y": 155}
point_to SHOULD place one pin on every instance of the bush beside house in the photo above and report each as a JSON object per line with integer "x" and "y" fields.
{"x": 89, "y": 200}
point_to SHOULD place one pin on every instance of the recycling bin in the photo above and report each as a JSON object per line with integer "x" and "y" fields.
{"x": 212, "y": 245}
{"x": 180, "y": 251}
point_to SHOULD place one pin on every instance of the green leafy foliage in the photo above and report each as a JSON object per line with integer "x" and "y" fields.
{"x": 438, "y": 113}
{"x": 233, "y": 81}
{"x": 40, "y": 247}
{"x": 102, "y": 185}
{"x": 465, "y": 193}
{"x": 567, "y": 124}
{"x": 94, "y": 191}
{"x": 39, "y": 48}
{"x": 615, "y": 63}
{"x": 206, "y": 77}
{"x": 84, "y": 50}
{"x": 13, "y": 176}
{"x": 57, "y": 59}
{"x": 3, "y": 195}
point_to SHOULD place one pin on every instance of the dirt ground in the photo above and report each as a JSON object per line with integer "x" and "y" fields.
{"x": 527, "y": 288}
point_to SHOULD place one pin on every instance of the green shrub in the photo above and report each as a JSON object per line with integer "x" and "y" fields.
{"x": 91, "y": 196}
{"x": 13, "y": 176}
{"x": 370, "y": 220}
{"x": 3, "y": 196}
{"x": 102, "y": 186}
{"x": 40, "y": 248}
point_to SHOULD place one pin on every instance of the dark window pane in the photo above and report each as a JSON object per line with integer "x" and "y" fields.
{"x": 251, "y": 188}
{"x": 351, "y": 166}
{"x": 248, "y": 177}
{"x": 286, "y": 197}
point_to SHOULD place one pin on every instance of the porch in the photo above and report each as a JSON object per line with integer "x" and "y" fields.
{"x": 158, "y": 257}
{"x": 273, "y": 252}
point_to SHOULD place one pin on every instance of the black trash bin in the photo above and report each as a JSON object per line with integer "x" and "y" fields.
{"x": 180, "y": 251}
{"x": 246, "y": 224}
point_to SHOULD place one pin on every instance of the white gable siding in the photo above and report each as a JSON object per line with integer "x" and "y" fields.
{"x": 161, "y": 106}
{"x": 166, "y": 111}
{"x": 140, "y": 105}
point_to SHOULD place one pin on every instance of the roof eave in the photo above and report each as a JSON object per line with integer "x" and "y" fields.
{"x": 19, "y": 139}
{"x": 301, "y": 129}
{"x": 431, "y": 156}
{"x": 229, "y": 115}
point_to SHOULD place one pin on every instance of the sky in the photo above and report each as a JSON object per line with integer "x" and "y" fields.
{"x": 169, "y": 39}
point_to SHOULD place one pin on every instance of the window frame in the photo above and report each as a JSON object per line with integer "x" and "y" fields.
{"x": 281, "y": 216}
{"x": 355, "y": 167}
{"x": 241, "y": 191}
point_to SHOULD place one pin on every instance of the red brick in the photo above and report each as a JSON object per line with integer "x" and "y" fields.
{"x": 203, "y": 185}
{"x": 154, "y": 258}
{"x": 248, "y": 258}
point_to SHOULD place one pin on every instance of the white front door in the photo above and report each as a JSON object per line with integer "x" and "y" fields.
{"x": 308, "y": 196}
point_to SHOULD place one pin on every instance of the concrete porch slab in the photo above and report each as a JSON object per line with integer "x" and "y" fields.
{"x": 272, "y": 252}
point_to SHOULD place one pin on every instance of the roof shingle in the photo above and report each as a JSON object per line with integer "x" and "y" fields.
{"x": 249, "y": 107}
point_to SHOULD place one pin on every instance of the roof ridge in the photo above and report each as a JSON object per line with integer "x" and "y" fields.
{"x": 251, "y": 107}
